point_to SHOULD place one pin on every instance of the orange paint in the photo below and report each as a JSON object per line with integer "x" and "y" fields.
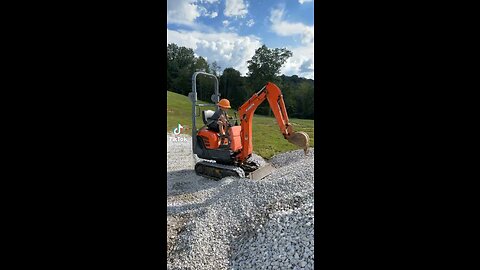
{"x": 275, "y": 99}
{"x": 235, "y": 139}
{"x": 210, "y": 138}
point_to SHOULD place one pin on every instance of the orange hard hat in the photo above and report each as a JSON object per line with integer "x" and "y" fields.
{"x": 224, "y": 103}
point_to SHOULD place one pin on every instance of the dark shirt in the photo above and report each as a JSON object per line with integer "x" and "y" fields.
{"x": 217, "y": 114}
{"x": 212, "y": 121}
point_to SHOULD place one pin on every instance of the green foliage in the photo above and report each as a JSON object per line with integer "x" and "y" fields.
{"x": 201, "y": 65}
{"x": 180, "y": 67}
{"x": 265, "y": 65}
{"x": 298, "y": 94}
{"x": 215, "y": 68}
{"x": 232, "y": 87}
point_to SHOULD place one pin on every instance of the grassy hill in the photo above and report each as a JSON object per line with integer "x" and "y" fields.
{"x": 267, "y": 138}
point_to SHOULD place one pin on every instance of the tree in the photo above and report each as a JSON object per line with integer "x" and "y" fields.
{"x": 215, "y": 68}
{"x": 201, "y": 65}
{"x": 180, "y": 67}
{"x": 232, "y": 87}
{"x": 205, "y": 85}
{"x": 264, "y": 67}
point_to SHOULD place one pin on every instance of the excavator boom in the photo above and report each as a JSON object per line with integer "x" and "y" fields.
{"x": 272, "y": 93}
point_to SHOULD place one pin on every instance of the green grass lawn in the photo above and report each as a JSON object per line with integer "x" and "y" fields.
{"x": 267, "y": 138}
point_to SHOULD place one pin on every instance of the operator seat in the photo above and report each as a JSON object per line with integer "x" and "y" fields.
{"x": 206, "y": 120}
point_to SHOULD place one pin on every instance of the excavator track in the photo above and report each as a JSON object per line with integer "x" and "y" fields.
{"x": 217, "y": 171}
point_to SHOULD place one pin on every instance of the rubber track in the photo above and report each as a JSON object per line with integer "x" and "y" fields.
{"x": 239, "y": 172}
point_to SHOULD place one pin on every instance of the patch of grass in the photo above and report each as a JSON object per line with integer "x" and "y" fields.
{"x": 267, "y": 138}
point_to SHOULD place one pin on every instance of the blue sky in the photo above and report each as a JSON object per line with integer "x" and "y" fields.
{"x": 229, "y": 31}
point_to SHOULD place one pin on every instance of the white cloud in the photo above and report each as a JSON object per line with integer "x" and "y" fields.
{"x": 204, "y": 12}
{"x": 228, "y": 49}
{"x": 237, "y": 8}
{"x": 233, "y": 50}
{"x": 182, "y": 11}
{"x": 285, "y": 28}
{"x": 304, "y": 1}
{"x": 301, "y": 63}
{"x": 187, "y": 11}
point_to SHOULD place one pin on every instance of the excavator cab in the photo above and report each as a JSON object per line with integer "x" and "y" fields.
{"x": 205, "y": 141}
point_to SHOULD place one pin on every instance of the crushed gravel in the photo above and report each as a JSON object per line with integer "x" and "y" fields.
{"x": 238, "y": 223}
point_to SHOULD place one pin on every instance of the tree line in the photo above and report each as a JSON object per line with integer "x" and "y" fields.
{"x": 265, "y": 65}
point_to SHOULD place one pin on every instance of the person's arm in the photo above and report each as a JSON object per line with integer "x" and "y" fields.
{"x": 227, "y": 118}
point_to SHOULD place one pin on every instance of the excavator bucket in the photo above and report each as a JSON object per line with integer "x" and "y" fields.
{"x": 300, "y": 139}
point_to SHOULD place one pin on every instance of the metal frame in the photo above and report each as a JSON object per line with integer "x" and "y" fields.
{"x": 193, "y": 97}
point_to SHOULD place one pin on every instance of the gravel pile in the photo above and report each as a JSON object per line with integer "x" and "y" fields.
{"x": 285, "y": 241}
{"x": 238, "y": 223}
{"x": 288, "y": 158}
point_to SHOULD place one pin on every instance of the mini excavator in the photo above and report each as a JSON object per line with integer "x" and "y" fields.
{"x": 236, "y": 159}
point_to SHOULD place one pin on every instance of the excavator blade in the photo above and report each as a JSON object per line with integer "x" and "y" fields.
{"x": 300, "y": 139}
{"x": 261, "y": 172}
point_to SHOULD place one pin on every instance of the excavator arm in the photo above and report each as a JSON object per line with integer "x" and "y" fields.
{"x": 272, "y": 93}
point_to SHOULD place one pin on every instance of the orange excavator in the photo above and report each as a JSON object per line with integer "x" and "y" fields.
{"x": 236, "y": 158}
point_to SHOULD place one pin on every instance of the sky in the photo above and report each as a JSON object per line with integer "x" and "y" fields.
{"x": 229, "y": 31}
